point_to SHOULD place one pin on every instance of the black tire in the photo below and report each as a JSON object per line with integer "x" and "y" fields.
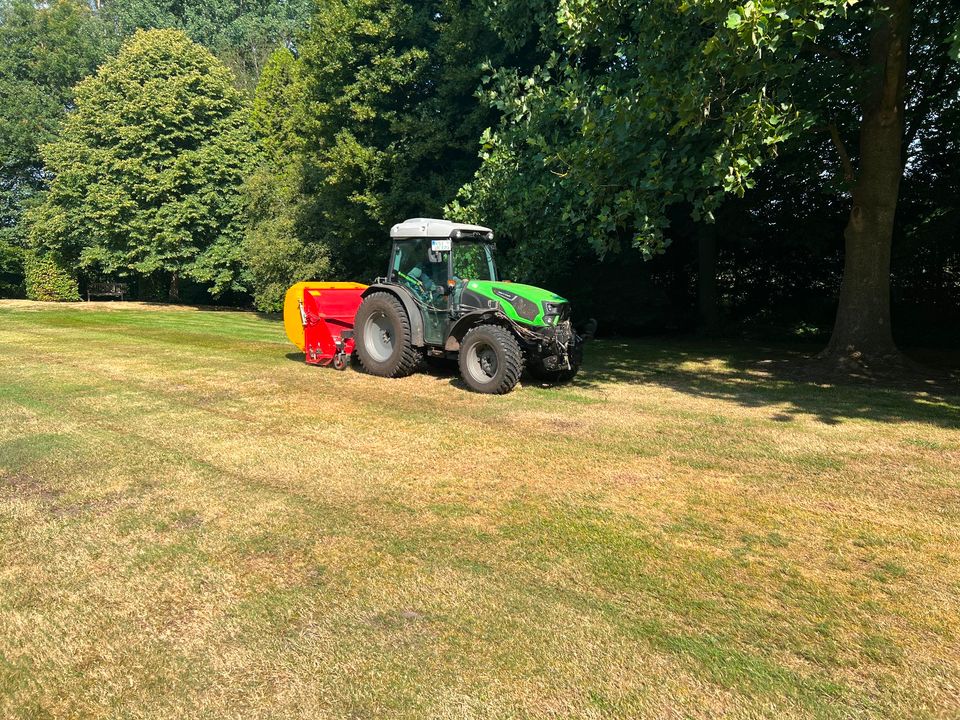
{"x": 383, "y": 338}
{"x": 490, "y": 360}
{"x": 554, "y": 377}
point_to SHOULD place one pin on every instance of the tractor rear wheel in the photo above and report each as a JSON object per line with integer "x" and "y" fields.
{"x": 383, "y": 338}
{"x": 490, "y": 360}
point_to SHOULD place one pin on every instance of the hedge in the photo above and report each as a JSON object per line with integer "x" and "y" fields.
{"x": 49, "y": 281}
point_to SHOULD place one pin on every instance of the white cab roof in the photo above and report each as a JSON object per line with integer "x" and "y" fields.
{"x": 431, "y": 228}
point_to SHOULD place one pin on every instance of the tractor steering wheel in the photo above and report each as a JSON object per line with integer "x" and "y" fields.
{"x": 415, "y": 284}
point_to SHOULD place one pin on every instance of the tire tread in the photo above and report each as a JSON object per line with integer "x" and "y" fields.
{"x": 513, "y": 357}
{"x": 410, "y": 357}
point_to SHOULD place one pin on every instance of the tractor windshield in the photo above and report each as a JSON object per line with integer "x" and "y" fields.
{"x": 421, "y": 268}
{"x": 473, "y": 261}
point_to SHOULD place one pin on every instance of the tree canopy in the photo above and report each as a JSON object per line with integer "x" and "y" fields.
{"x": 640, "y": 107}
{"x": 280, "y": 248}
{"x": 148, "y": 168}
{"x": 391, "y": 123}
{"x": 242, "y": 33}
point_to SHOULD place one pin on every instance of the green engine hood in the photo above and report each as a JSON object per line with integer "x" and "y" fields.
{"x": 521, "y": 303}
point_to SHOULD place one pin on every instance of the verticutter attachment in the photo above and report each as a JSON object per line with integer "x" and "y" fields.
{"x": 318, "y": 318}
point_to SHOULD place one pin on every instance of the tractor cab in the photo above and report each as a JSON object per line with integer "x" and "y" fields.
{"x": 432, "y": 256}
{"x": 434, "y": 260}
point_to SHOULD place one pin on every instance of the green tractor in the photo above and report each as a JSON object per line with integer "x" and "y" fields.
{"x": 441, "y": 297}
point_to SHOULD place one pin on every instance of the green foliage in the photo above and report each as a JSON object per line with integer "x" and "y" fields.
{"x": 11, "y": 267}
{"x": 275, "y": 256}
{"x": 242, "y": 33}
{"x": 49, "y": 280}
{"x": 607, "y": 131}
{"x": 278, "y": 251}
{"x": 148, "y": 168}
{"x": 44, "y": 51}
{"x": 277, "y": 115}
{"x": 11, "y": 244}
{"x": 46, "y": 48}
{"x": 636, "y": 107}
{"x": 391, "y": 125}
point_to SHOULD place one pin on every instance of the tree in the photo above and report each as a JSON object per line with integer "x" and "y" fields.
{"x": 875, "y": 58}
{"x": 278, "y": 251}
{"x": 642, "y": 106}
{"x": 242, "y": 33}
{"x": 44, "y": 51}
{"x": 391, "y": 119}
{"x": 148, "y": 168}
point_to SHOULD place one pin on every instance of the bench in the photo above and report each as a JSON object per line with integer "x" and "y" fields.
{"x": 106, "y": 289}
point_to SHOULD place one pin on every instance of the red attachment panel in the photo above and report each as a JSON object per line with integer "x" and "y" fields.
{"x": 328, "y": 315}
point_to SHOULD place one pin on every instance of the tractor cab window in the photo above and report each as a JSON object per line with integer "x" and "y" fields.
{"x": 473, "y": 261}
{"x": 421, "y": 268}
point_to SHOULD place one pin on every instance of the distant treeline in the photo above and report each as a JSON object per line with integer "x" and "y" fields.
{"x": 705, "y": 164}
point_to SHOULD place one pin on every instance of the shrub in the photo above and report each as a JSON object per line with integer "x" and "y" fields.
{"x": 48, "y": 280}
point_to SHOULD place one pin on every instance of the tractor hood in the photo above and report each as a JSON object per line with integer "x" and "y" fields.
{"x": 523, "y": 303}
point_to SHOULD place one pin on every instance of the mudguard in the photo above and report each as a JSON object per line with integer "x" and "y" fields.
{"x": 464, "y": 323}
{"x": 413, "y": 310}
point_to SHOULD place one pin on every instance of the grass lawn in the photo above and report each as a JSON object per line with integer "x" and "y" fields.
{"x": 195, "y": 524}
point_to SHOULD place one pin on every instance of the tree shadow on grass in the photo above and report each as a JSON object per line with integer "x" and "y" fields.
{"x": 753, "y": 376}
{"x": 780, "y": 377}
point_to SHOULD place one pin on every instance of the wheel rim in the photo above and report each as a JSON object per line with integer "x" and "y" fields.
{"x": 378, "y": 337}
{"x": 482, "y": 362}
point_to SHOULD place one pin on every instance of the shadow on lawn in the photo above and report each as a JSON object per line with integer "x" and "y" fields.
{"x": 750, "y": 376}
{"x": 759, "y": 376}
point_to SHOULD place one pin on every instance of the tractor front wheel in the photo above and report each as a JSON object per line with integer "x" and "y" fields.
{"x": 383, "y": 338}
{"x": 490, "y": 360}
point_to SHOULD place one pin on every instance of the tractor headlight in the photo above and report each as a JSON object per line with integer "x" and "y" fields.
{"x": 552, "y": 312}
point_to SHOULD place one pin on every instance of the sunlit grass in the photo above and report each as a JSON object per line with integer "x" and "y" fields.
{"x": 193, "y": 523}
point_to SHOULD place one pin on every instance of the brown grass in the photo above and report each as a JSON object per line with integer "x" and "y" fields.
{"x": 194, "y": 524}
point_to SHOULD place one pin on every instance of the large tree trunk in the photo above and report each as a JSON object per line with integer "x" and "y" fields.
{"x": 862, "y": 336}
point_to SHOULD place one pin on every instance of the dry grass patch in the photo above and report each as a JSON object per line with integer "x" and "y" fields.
{"x": 193, "y": 523}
